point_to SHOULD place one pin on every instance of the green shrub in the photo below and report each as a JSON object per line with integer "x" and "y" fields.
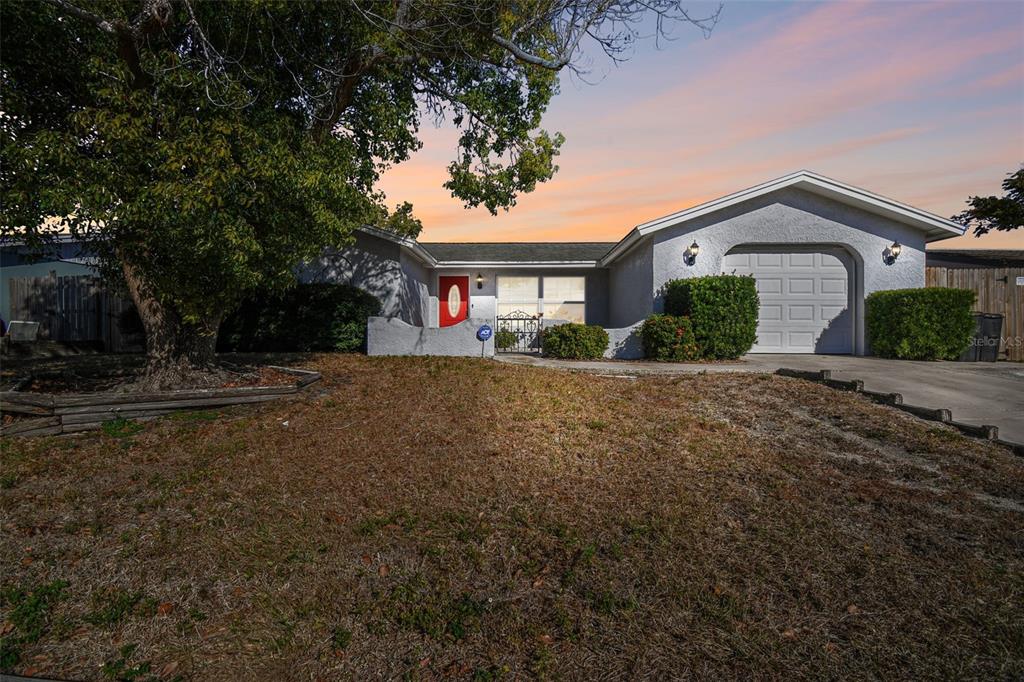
{"x": 307, "y": 317}
{"x": 573, "y": 341}
{"x": 722, "y": 311}
{"x": 669, "y": 338}
{"x": 505, "y": 339}
{"x": 920, "y": 324}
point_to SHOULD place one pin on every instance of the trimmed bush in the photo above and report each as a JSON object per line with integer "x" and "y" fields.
{"x": 505, "y": 339}
{"x": 669, "y": 338}
{"x": 573, "y": 341}
{"x": 722, "y": 311}
{"x": 920, "y": 324}
{"x": 307, "y": 317}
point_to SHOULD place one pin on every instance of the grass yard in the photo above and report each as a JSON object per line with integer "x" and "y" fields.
{"x": 446, "y": 518}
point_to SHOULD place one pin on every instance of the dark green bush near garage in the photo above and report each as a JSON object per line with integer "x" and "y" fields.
{"x": 920, "y": 324}
{"x": 722, "y": 310}
{"x": 573, "y": 341}
{"x": 669, "y": 338}
{"x": 307, "y": 317}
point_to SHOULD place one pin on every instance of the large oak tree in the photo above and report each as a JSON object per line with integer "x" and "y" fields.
{"x": 205, "y": 148}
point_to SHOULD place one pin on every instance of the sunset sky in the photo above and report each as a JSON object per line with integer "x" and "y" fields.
{"x": 921, "y": 102}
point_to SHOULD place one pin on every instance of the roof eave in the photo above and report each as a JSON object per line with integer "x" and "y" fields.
{"x": 517, "y": 264}
{"x": 411, "y": 244}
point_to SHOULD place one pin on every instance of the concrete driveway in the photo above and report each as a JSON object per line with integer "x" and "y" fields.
{"x": 975, "y": 392}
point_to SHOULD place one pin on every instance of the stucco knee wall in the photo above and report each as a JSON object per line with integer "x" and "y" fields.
{"x": 624, "y": 343}
{"x": 391, "y": 336}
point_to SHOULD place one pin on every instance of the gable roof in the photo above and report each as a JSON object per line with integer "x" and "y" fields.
{"x": 584, "y": 253}
{"x": 934, "y": 227}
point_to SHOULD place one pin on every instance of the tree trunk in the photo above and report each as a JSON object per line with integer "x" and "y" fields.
{"x": 179, "y": 354}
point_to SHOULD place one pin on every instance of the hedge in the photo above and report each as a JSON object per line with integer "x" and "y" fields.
{"x": 572, "y": 341}
{"x": 722, "y": 311}
{"x": 669, "y": 338}
{"x": 307, "y": 317}
{"x": 920, "y": 324}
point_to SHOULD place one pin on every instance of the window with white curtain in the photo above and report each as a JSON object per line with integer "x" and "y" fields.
{"x": 518, "y": 294}
{"x": 564, "y": 298}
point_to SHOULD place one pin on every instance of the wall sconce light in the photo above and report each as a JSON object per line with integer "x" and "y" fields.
{"x": 690, "y": 255}
{"x": 892, "y": 253}
{"x": 479, "y": 281}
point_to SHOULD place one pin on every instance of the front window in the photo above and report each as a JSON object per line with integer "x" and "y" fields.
{"x": 564, "y": 298}
{"x": 518, "y": 293}
{"x": 558, "y": 298}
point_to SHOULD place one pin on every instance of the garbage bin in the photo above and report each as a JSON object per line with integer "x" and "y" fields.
{"x": 970, "y": 353}
{"x": 991, "y": 334}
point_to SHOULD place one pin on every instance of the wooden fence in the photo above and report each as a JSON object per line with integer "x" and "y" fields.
{"x": 72, "y": 309}
{"x": 998, "y": 292}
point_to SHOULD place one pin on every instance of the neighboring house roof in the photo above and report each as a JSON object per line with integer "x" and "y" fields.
{"x": 975, "y": 258}
{"x": 934, "y": 227}
{"x": 517, "y": 252}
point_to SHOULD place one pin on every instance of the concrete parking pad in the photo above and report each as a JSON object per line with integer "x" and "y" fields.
{"x": 975, "y": 392}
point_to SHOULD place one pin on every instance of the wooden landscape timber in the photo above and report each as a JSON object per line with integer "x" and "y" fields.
{"x": 47, "y": 414}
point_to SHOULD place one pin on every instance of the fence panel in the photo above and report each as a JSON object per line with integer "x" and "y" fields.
{"x": 998, "y": 292}
{"x": 73, "y": 308}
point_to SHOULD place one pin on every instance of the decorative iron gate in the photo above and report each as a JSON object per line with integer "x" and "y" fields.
{"x": 524, "y": 327}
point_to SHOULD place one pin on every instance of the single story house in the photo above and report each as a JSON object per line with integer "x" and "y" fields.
{"x": 816, "y": 247}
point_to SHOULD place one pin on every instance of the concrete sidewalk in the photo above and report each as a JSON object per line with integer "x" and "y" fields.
{"x": 975, "y": 392}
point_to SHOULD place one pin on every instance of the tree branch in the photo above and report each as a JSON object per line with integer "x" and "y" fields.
{"x": 85, "y": 15}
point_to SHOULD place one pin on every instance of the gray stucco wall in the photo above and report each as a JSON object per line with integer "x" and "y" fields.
{"x": 631, "y": 286}
{"x": 391, "y": 336}
{"x": 381, "y": 268}
{"x": 624, "y": 343}
{"x": 792, "y": 216}
{"x": 483, "y": 302}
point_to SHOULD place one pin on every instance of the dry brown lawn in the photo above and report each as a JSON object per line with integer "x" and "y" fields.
{"x": 444, "y": 518}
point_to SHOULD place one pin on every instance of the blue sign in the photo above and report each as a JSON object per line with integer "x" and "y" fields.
{"x": 484, "y": 332}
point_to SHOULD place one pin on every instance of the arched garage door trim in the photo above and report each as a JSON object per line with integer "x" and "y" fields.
{"x": 854, "y": 284}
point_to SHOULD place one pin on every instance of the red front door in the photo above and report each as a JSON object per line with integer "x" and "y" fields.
{"x": 453, "y": 299}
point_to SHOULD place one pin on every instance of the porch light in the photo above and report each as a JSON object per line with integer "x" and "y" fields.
{"x": 690, "y": 255}
{"x": 479, "y": 281}
{"x": 891, "y": 253}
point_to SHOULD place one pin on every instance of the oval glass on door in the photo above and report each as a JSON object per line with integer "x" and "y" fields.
{"x": 454, "y": 299}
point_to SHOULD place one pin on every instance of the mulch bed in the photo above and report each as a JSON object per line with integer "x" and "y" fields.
{"x": 435, "y": 518}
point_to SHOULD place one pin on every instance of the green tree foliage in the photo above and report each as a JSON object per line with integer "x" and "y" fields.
{"x": 1003, "y": 213}
{"x": 206, "y": 148}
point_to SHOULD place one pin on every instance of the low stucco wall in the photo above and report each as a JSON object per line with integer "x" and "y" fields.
{"x": 392, "y": 336}
{"x": 624, "y": 343}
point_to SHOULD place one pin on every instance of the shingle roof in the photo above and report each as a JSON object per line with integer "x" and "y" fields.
{"x": 975, "y": 257}
{"x": 516, "y": 252}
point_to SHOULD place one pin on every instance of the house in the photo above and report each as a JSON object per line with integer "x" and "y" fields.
{"x": 816, "y": 247}
{"x": 996, "y": 278}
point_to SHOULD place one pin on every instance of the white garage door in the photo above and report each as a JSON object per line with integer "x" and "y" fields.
{"x": 804, "y": 299}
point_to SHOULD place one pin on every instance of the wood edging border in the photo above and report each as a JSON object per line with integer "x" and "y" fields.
{"x": 52, "y": 414}
{"x": 941, "y": 415}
